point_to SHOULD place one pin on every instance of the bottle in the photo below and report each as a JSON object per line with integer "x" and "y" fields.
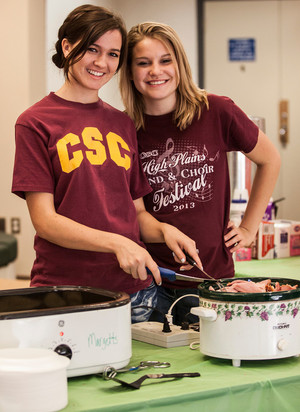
{"x": 237, "y": 210}
{"x": 238, "y": 206}
{"x": 270, "y": 211}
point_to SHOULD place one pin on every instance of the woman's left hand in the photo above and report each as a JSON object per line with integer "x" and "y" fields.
{"x": 237, "y": 237}
{"x": 178, "y": 242}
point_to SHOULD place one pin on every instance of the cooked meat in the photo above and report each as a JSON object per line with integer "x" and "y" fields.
{"x": 248, "y": 286}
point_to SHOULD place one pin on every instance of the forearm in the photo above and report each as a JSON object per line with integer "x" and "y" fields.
{"x": 72, "y": 235}
{"x": 151, "y": 229}
{"x": 261, "y": 191}
{"x": 154, "y": 231}
{"x": 66, "y": 232}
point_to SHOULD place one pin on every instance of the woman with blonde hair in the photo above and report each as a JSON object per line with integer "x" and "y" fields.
{"x": 184, "y": 135}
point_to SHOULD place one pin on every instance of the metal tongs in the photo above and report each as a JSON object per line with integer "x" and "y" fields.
{"x": 172, "y": 276}
{"x": 110, "y": 372}
{"x": 193, "y": 263}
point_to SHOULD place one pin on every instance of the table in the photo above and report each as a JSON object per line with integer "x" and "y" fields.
{"x": 257, "y": 386}
{"x": 14, "y": 283}
{"x": 287, "y": 268}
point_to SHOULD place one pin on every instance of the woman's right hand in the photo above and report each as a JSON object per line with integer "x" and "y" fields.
{"x": 134, "y": 260}
{"x": 65, "y": 232}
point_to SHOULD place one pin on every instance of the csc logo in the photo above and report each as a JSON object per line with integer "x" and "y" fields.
{"x": 96, "y": 154}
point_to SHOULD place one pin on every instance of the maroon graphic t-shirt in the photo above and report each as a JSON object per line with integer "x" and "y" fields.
{"x": 188, "y": 173}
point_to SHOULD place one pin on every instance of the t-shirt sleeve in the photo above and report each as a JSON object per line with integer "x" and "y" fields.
{"x": 32, "y": 167}
{"x": 243, "y": 131}
{"x": 239, "y": 132}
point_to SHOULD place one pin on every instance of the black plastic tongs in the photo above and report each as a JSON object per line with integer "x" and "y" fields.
{"x": 137, "y": 384}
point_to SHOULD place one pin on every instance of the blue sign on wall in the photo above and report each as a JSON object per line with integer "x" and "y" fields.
{"x": 241, "y": 49}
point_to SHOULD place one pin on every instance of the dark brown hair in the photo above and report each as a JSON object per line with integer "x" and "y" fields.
{"x": 85, "y": 25}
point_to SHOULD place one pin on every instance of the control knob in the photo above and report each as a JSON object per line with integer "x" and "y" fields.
{"x": 64, "y": 350}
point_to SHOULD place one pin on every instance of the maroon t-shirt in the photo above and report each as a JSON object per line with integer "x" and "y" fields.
{"x": 86, "y": 155}
{"x": 188, "y": 172}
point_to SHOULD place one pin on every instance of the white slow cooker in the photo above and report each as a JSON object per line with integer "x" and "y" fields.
{"x": 248, "y": 326}
{"x": 92, "y": 327}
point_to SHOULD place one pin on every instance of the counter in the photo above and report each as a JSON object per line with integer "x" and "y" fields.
{"x": 287, "y": 268}
{"x": 259, "y": 386}
{"x": 14, "y": 283}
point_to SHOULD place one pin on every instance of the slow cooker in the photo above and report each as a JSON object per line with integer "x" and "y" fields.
{"x": 92, "y": 327}
{"x": 249, "y": 326}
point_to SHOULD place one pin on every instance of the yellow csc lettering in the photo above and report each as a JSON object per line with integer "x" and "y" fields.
{"x": 96, "y": 152}
{"x": 114, "y": 142}
{"x": 69, "y": 164}
{"x": 98, "y": 155}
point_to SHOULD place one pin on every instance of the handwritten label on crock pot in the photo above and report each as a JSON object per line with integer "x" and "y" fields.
{"x": 281, "y": 326}
{"x": 102, "y": 342}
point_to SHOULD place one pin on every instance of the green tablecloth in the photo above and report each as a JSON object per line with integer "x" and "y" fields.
{"x": 257, "y": 386}
{"x": 285, "y": 268}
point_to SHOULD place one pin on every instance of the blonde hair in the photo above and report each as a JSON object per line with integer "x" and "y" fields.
{"x": 189, "y": 97}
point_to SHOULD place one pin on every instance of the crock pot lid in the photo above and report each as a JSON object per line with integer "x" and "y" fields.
{"x": 31, "y": 360}
{"x": 204, "y": 291}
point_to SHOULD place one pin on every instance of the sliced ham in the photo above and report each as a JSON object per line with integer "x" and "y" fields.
{"x": 247, "y": 286}
{"x": 288, "y": 287}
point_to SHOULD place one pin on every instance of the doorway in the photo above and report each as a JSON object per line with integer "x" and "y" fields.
{"x": 260, "y": 85}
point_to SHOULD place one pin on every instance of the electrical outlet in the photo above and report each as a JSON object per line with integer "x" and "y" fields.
{"x": 15, "y": 225}
{"x": 151, "y": 332}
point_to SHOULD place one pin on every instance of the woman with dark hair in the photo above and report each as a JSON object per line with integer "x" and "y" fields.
{"x": 77, "y": 166}
{"x": 184, "y": 135}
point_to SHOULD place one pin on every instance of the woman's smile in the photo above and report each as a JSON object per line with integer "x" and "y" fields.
{"x": 95, "y": 73}
{"x": 154, "y": 73}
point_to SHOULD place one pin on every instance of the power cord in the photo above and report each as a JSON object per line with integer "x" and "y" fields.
{"x": 194, "y": 345}
{"x": 169, "y": 315}
{"x": 166, "y": 324}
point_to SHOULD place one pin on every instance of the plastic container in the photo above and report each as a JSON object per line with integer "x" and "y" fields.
{"x": 270, "y": 211}
{"x": 237, "y": 210}
{"x": 32, "y": 380}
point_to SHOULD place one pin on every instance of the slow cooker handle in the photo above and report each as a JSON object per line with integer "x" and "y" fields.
{"x": 204, "y": 313}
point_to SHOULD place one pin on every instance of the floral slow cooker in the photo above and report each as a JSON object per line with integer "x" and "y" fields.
{"x": 248, "y": 326}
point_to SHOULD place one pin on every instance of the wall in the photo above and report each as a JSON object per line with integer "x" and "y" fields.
{"x": 258, "y": 86}
{"x": 22, "y": 77}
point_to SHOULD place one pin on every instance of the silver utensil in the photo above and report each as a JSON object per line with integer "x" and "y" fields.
{"x": 110, "y": 372}
{"x": 192, "y": 262}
